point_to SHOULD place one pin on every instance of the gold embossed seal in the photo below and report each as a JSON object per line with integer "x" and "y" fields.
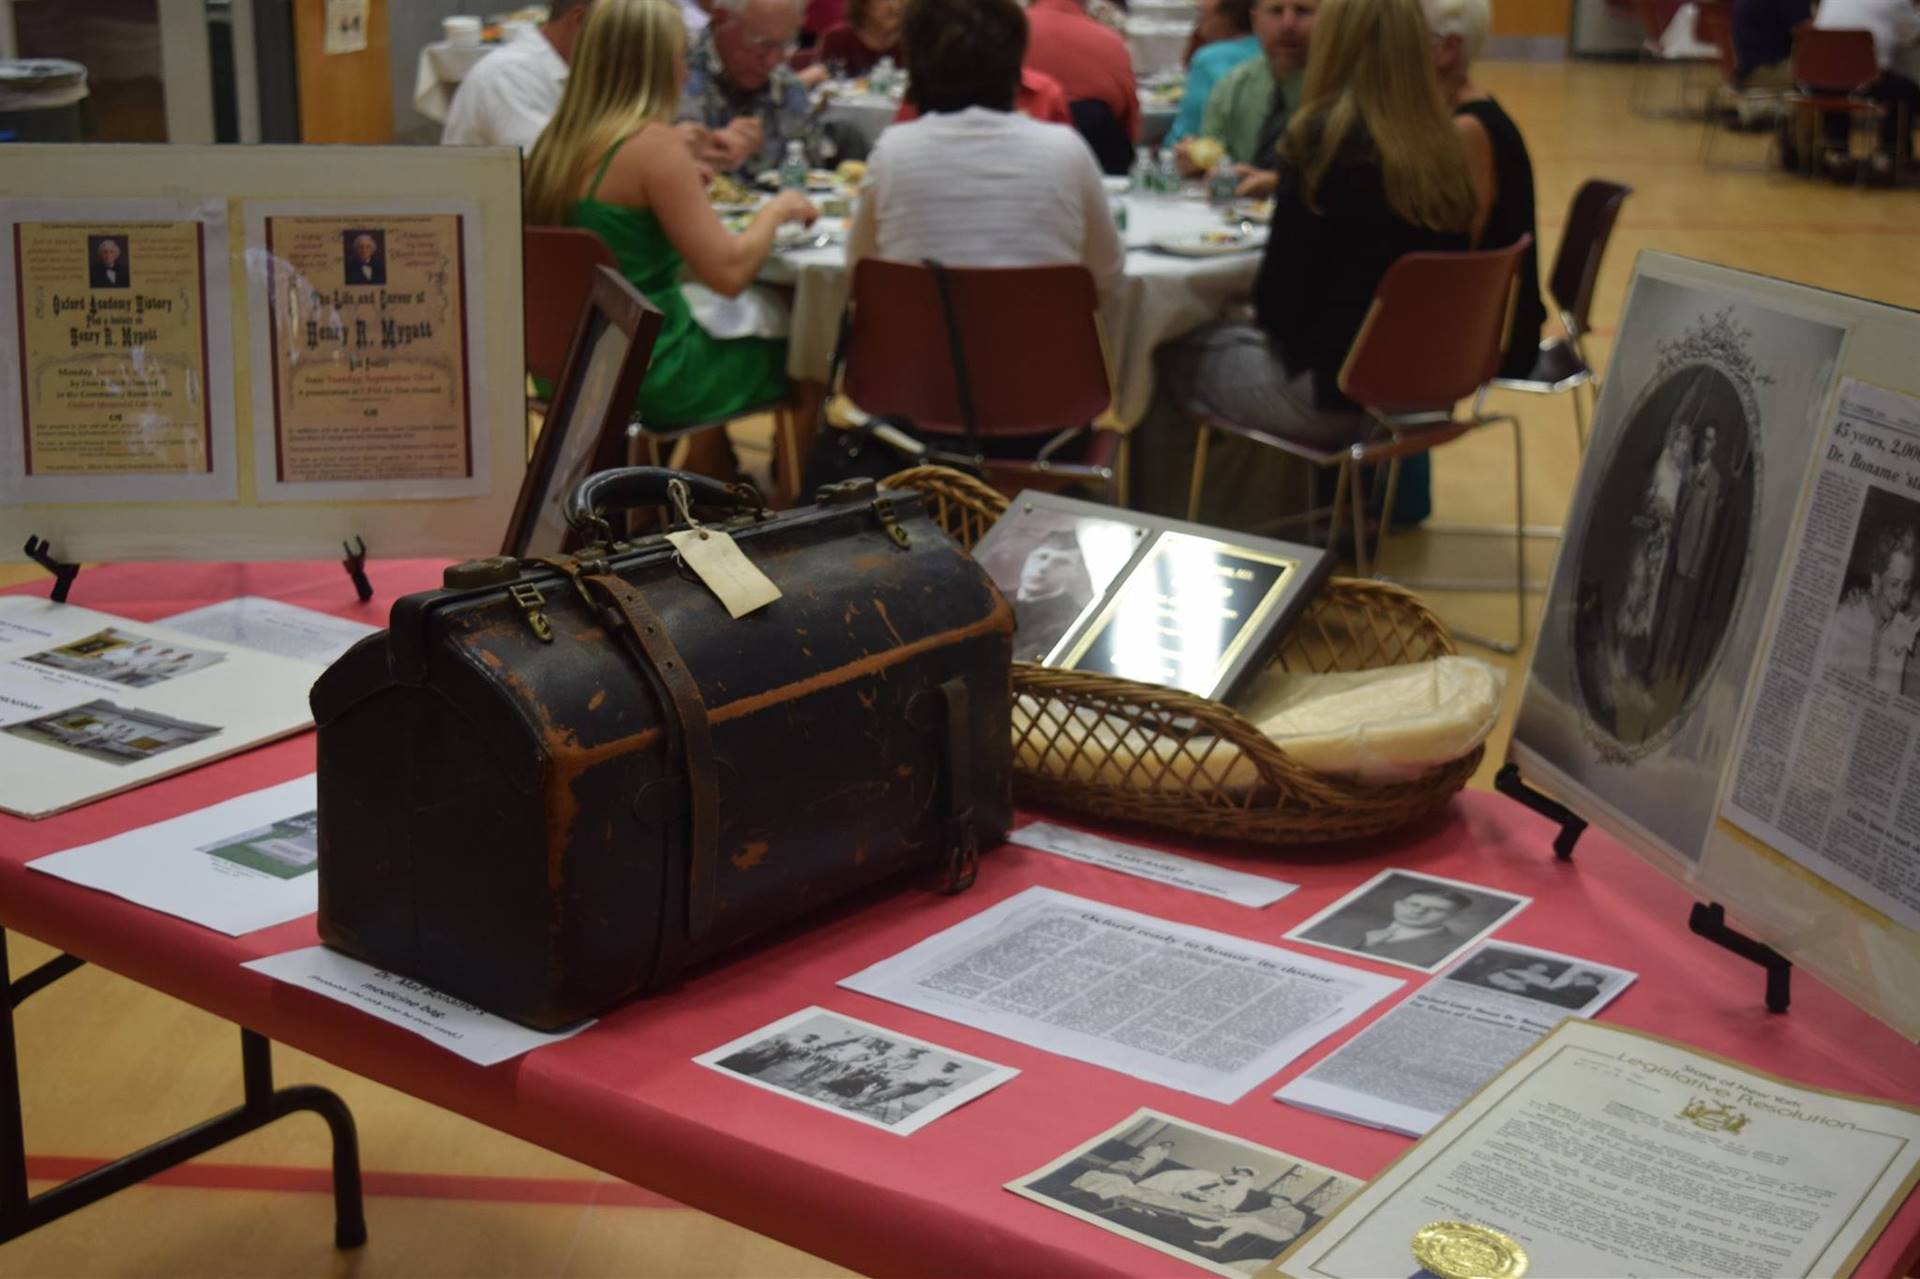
{"x": 1460, "y": 1250}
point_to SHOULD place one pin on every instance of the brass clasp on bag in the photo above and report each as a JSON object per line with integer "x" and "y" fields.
{"x": 533, "y": 604}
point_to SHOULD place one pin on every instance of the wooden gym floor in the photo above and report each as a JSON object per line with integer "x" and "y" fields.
{"x": 108, "y": 1065}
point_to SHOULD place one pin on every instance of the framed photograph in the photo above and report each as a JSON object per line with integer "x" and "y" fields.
{"x": 1409, "y": 919}
{"x": 1052, "y": 565}
{"x": 1212, "y": 1200}
{"x": 863, "y": 1072}
{"x": 587, "y": 418}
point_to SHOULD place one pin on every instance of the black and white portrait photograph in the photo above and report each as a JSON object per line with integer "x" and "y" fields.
{"x": 109, "y": 265}
{"x": 1657, "y": 581}
{"x": 364, "y": 252}
{"x": 1215, "y": 1201}
{"x": 1702, "y": 433}
{"x": 111, "y": 733}
{"x": 865, "y": 1072}
{"x": 1542, "y": 976}
{"x": 1051, "y": 565}
{"x": 1870, "y": 638}
{"x": 1415, "y": 921}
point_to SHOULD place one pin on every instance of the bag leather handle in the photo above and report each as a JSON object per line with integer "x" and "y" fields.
{"x": 629, "y": 486}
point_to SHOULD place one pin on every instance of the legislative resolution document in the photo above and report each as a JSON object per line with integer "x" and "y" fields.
{"x": 369, "y": 393}
{"x": 1605, "y": 1151}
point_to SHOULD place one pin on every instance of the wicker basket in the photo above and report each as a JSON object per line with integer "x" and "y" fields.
{"x": 1120, "y": 749}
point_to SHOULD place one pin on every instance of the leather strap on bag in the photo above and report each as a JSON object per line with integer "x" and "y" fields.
{"x": 962, "y": 844}
{"x": 649, "y": 634}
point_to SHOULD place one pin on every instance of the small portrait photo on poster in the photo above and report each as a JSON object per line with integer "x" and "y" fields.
{"x": 125, "y": 658}
{"x": 1871, "y": 637}
{"x": 1415, "y": 921}
{"x": 862, "y": 1071}
{"x": 109, "y": 265}
{"x": 111, "y": 733}
{"x": 1547, "y": 979}
{"x": 1212, "y": 1200}
{"x": 287, "y": 849}
{"x": 1051, "y": 565}
{"x": 365, "y": 255}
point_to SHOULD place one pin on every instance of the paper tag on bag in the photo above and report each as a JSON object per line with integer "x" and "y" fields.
{"x": 725, "y": 568}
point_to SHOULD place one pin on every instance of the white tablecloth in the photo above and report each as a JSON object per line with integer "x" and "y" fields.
{"x": 867, "y": 112}
{"x": 1164, "y": 297}
{"x": 441, "y": 68}
{"x": 1157, "y": 43}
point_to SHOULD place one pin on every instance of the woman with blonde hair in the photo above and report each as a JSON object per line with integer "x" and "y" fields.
{"x": 612, "y": 162}
{"x": 1370, "y": 168}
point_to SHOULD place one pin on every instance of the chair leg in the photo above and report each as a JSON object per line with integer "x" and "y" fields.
{"x": 1386, "y": 509}
{"x": 1198, "y": 476}
{"x": 1339, "y": 503}
{"x": 1580, "y": 413}
{"x": 1519, "y": 541}
{"x": 1360, "y": 565}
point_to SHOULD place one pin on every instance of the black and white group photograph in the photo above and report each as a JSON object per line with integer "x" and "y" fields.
{"x": 1415, "y": 921}
{"x": 1051, "y": 565}
{"x": 1571, "y": 984}
{"x": 1871, "y": 635}
{"x": 1215, "y": 1201}
{"x": 865, "y": 1072}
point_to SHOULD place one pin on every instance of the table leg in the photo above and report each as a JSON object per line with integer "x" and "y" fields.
{"x": 20, "y": 1213}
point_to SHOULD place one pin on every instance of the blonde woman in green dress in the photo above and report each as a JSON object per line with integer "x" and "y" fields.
{"x": 612, "y": 161}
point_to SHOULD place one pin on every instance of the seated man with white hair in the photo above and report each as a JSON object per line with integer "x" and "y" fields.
{"x": 740, "y": 88}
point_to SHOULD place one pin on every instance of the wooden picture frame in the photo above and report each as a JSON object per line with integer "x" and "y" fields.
{"x": 587, "y": 418}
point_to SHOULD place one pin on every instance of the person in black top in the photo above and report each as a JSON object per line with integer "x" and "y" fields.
{"x": 1370, "y": 168}
{"x": 1497, "y": 155}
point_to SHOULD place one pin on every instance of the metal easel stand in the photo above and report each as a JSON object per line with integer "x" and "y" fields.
{"x": 21, "y": 1213}
{"x": 1706, "y": 919}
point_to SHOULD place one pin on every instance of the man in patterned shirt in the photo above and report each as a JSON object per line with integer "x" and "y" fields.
{"x": 740, "y": 89}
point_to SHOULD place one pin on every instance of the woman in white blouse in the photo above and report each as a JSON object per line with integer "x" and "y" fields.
{"x": 971, "y": 182}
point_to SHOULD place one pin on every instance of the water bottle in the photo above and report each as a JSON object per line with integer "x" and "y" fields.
{"x": 1117, "y": 206}
{"x": 1142, "y": 179}
{"x": 793, "y": 169}
{"x": 1169, "y": 172}
{"x": 1223, "y": 184}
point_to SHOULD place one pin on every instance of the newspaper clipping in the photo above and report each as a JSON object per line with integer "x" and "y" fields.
{"x": 1409, "y": 1070}
{"x": 1192, "y": 1009}
{"x": 1826, "y": 770}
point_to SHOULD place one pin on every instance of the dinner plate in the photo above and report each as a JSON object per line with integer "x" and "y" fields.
{"x": 1211, "y": 245}
{"x": 1260, "y": 211}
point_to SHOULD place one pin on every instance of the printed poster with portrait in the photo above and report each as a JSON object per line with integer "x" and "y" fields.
{"x": 1677, "y": 529}
{"x": 368, "y": 385}
{"x": 117, "y": 348}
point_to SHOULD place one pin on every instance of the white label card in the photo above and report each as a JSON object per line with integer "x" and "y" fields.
{"x": 726, "y": 570}
{"x": 1146, "y": 863}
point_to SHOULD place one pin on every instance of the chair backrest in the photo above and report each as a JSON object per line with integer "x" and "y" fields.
{"x": 1713, "y": 25}
{"x": 559, "y": 269}
{"x": 1436, "y": 330}
{"x": 1583, "y": 243}
{"x": 1095, "y": 121}
{"x": 1841, "y": 60}
{"x": 1030, "y": 337}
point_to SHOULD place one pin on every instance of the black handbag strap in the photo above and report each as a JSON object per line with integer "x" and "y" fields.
{"x": 956, "y": 350}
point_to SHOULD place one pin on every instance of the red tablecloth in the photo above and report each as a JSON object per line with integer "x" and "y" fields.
{"x": 625, "y": 1096}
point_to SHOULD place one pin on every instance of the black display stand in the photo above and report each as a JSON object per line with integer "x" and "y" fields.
{"x": 1572, "y": 825}
{"x": 21, "y": 1212}
{"x": 356, "y": 566}
{"x": 1707, "y": 919}
{"x": 40, "y": 551}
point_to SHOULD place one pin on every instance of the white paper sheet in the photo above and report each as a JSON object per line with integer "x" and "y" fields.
{"x": 857, "y": 1070}
{"x": 1147, "y": 863}
{"x": 128, "y": 703}
{"x": 1186, "y": 1007}
{"x": 236, "y": 867}
{"x": 269, "y": 626}
{"x": 1423, "y": 1059}
{"x": 458, "y": 1027}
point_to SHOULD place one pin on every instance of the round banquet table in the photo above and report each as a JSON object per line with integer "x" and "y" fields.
{"x": 1164, "y": 296}
{"x": 438, "y": 73}
{"x": 866, "y": 112}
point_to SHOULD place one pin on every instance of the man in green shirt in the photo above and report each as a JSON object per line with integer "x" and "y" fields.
{"x": 1250, "y": 105}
